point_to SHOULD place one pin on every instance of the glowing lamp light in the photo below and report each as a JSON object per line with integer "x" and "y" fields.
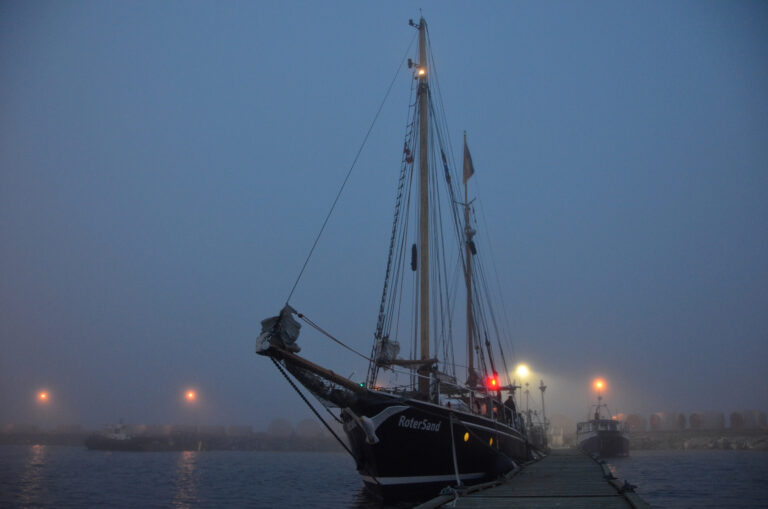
{"x": 43, "y": 396}
{"x": 466, "y": 436}
{"x": 422, "y": 71}
{"x": 522, "y": 371}
{"x": 492, "y": 383}
{"x": 190, "y": 395}
{"x": 599, "y": 384}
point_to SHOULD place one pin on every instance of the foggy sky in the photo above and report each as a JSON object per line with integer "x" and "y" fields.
{"x": 164, "y": 168}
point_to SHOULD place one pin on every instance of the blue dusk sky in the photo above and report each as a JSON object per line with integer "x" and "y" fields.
{"x": 165, "y": 166}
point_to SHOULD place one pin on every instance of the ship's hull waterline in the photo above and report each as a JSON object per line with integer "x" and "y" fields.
{"x": 413, "y": 453}
{"x": 404, "y": 447}
{"x": 606, "y": 444}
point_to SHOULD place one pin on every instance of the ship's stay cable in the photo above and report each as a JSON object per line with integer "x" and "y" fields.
{"x": 282, "y": 371}
{"x": 484, "y": 282}
{"x": 442, "y": 119}
{"x": 327, "y": 334}
{"x": 391, "y": 298}
{"x": 505, "y": 314}
{"x": 403, "y": 187}
{"x": 349, "y": 172}
{"x": 317, "y": 414}
{"x": 443, "y": 300}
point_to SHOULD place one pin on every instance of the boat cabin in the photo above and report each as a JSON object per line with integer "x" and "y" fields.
{"x": 601, "y": 425}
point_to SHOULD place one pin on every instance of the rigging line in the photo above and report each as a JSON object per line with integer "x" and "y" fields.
{"x": 280, "y": 368}
{"x": 390, "y": 307}
{"x": 441, "y": 107}
{"x": 504, "y": 308}
{"x": 492, "y": 313}
{"x": 399, "y": 225}
{"x": 405, "y": 169}
{"x": 451, "y": 191}
{"x": 349, "y": 172}
{"x": 398, "y": 299}
{"x": 326, "y": 333}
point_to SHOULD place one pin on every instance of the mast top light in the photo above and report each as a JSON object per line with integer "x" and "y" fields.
{"x": 422, "y": 71}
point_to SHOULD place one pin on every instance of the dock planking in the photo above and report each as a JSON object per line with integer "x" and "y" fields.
{"x": 564, "y": 478}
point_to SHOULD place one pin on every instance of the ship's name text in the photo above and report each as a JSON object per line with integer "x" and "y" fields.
{"x": 423, "y": 424}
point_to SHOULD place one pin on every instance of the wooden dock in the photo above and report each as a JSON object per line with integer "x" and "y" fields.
{"x": 563, "y": 479}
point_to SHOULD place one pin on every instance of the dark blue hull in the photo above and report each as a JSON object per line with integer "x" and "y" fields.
{"x": 410, "y": 454}
{"x": 606, "y": 444}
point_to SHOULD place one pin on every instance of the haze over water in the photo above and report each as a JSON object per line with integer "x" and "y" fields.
{"x": 165, "y": 167}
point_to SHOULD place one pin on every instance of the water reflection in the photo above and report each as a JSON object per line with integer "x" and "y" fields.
{"x": 187, "y": 478}
{"x": 31, "y": 484}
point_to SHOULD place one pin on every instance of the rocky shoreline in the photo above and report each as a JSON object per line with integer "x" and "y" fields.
{"x": 699, "y": 440}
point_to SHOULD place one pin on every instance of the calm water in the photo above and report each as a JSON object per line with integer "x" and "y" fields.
{"x": 60, "y": 477}
{"x": 721, "y": 479}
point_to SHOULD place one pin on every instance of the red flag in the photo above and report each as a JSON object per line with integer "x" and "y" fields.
{"x": 469, "y": 169}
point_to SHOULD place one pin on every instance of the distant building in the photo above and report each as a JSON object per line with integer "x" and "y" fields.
{"x": 556, "y": 437}
{"x": 707, "y": 420}
{"x": 184, "y": 429}
{"x": 70, "y": 429}
{"x": 213, "y": 430}
{"x": 153, "y": 430}
{"x": 239, "y": 431}
{"x": 667, "y": 421}
{"x": 748, "y": 419}
{"x": 137, "y": 429}
{"x": 21, "y": 428}
{"x": 309, "y": 428}
{"x": 564, "y": 422}
{"x": 636, "y": 422}
{"x": 280, "y": 428}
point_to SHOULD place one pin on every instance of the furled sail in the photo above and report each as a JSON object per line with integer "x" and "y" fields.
{"x": 280, "y": 331}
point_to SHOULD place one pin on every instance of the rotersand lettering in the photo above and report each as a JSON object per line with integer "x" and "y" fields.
{"x": 418, "y": 424}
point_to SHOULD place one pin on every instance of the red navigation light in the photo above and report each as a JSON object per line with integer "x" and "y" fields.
{"x": 492, "y": 383}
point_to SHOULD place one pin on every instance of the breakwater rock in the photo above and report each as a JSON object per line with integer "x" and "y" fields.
{"x": 698, "y": 440}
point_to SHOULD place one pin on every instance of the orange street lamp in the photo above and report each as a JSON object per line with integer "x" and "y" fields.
{"x": 599, "y": 384}
{"x": 43, "y": 397}
{"x": 191, "y": 395}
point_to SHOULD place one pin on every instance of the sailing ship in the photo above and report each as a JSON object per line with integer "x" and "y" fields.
{"x": 602, "y": 435}
{"x": 442, "y": 426}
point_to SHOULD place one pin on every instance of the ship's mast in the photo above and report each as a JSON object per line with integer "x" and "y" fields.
{"x": 422, "y": 73}
{"x": 468, "y": 281}
{"x": 527, "y": 405}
